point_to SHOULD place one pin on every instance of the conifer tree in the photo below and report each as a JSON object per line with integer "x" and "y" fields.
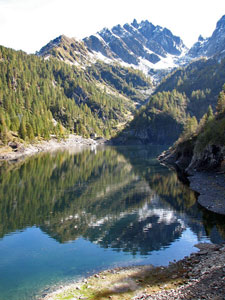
{"x": 22, "y": 129}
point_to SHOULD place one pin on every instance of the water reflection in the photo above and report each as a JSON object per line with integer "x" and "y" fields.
{"x": 116, "y": 197}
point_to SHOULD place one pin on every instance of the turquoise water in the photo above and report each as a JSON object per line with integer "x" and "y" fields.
{"x": 66, "y": 215}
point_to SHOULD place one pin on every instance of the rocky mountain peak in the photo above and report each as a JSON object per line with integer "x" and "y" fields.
{"x": 66, "y": 49}
{"x": 142, "y": 45}
{"x": 214, "y": 45}
{"x": 134, "y": 23}
{"x": 200, "y": 38}
{"x": 221, "y": 23}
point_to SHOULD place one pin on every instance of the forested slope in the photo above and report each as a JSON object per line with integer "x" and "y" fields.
{"x": 202, "y": 145}
{"x": 40, "y": 97}
{"x": 183, "y": 97}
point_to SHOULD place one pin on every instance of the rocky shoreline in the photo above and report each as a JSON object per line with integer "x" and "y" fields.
{"x": 20, "y": 151}
{"x": 205, "y": 174}
{"x": 211, "y": 189}
{"x": 199, "y": 276}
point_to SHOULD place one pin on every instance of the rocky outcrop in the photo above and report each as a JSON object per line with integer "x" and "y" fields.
{"x": 160, "y": 128}
{"x": 66, "y": 49}
{"x": 211, "y": 189}
{"x": 204, "y": 170}
{"x": 211, "y": 158}
{"x": 143, "y": 45}
{"x": 214, "y": 45}
{"x": 179, "y": 156}
{"x": 187, "y": 159}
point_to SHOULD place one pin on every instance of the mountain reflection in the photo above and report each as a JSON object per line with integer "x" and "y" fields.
{"x": 116, "y": 197}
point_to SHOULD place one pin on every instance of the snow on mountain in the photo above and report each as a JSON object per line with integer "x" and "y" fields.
{"x": 214, "y": 45}
{"x": 152, "y": 49}
{"x": 141, "y": 45}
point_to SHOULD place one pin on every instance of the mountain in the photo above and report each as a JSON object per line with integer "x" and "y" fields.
{"x": 214, "y": 45}
{"x": 112, "y": 75}
{"x": 152, "y": 49}
{"x": 201, "y": 147}
{"x": 66, "y": 49}
{"x": 94, "y": 86}
{"x": 136, "y": 43}
{"x": 201, "y": 81}
{"x": 184, "y": 94}
{"x": 43, "y": 97}
{"x": 142, "y": 45}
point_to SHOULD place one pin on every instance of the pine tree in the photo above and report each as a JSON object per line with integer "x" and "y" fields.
{"x": 30, "y": 132}
{"x": 221, "y": 102}
{"x": 209, "y": 115}
{"x": 22, "y": 129}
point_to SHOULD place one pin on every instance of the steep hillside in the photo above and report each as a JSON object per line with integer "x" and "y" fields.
{"x": 201, "y": 81}
{"x": 160, "y": 121}
{"x": 40, "y": 97}
{"x": 126, "y": 80}
{"x": 214, "y": 45}
{"x": 202, "y": 147}
{"x": 185, "y": 94}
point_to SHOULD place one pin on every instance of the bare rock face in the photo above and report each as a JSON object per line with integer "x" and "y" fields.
{"x": 134, "y": 42}
{"x": 211, "y": 158}
{"x": 214, "y": 45}
{"x": 184, "y": 156}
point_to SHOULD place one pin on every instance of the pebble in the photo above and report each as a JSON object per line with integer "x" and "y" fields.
{"x": 206, "y": 277}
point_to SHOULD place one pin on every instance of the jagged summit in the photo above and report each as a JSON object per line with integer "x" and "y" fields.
{"x": 214, "y": 45}
{"x": 221, "y": 22}
{"x": 152, "y": 49}
{"x": 200, "y": 38}
{"x": 137, "y": 44}
{"x": 142, "y": 45}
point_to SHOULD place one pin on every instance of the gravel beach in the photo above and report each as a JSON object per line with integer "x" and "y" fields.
{"x": 199, "y": 276}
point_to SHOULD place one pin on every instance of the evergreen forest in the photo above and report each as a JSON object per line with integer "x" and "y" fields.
{"x": 40, "y": 98}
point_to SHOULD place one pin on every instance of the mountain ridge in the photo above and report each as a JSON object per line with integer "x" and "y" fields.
{"x": 144, "y": 46}
{"x": 103, "y": 89}
{"x": 213, "y": 45}
{"x": 138, "y": 40}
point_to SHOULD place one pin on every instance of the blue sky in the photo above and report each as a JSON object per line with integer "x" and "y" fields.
{"x": 30, "y": 24}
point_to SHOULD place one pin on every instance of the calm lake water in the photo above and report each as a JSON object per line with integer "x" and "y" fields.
{"x": 68, "y": 214}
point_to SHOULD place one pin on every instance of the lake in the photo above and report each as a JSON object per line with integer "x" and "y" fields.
{"x": 67, "y": 214}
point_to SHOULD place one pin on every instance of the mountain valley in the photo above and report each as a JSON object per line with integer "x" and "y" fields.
{"x": 137, "y": 83}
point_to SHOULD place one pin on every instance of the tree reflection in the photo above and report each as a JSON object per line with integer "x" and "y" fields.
{"x": 116, "y": 197}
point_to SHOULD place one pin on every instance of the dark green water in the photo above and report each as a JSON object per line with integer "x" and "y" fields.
{"x": 66, "y": 215}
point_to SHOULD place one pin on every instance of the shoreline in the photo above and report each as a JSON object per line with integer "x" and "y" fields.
{"x": 211, "y": 189}
{"x": 198, "y": 276}
{"x": 210, "y": 185}
{"x": 72, "y": 141}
